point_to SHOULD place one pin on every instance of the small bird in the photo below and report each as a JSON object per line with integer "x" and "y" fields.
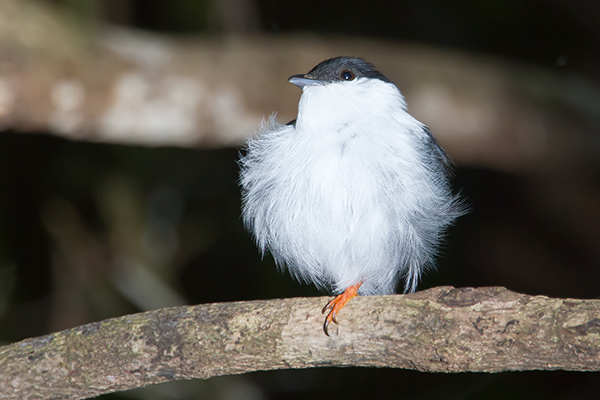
{"x": 354, "y": 194}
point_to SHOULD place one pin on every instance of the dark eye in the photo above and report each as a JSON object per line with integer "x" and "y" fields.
{"x": 347, "y": 75}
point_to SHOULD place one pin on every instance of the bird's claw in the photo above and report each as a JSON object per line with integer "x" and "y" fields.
{"x": 329, "y": 317}
{"x": 336, "y": 305}
{"x": 326, "y": 325}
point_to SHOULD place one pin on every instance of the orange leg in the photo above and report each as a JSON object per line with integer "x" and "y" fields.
{"x": 335, "y": 305}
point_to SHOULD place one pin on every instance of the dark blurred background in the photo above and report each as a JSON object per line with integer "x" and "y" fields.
{"x": 92, "y": 231}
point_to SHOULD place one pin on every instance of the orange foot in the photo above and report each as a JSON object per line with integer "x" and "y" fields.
{"x": 335, "y": 305}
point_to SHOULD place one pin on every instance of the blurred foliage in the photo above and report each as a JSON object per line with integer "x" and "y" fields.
{"x": 91, "y": 231}
{"x": 552, "y": 33}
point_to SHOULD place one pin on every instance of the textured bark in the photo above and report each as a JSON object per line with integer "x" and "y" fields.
{"x": 438, "y": 330}
{"x": 100, "y": 83}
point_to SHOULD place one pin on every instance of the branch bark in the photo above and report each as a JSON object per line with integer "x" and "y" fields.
{"x": 443, "y": 329}
{"x": 102, "y": 83}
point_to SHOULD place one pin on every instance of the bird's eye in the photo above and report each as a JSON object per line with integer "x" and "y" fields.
{"x": 347, "y": 75}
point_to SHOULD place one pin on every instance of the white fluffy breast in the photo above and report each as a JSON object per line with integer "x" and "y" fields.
{"x": 345, "y": 103}
{"x": 346, "y": 195}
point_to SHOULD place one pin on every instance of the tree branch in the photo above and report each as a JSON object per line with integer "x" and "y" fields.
{"x": 438, "y": 330}
{"x": 102, "y": 83}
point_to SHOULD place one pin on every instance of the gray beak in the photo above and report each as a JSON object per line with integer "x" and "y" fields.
{"x": 304, "y": 80}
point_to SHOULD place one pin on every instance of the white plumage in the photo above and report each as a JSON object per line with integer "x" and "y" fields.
{"x": 356, "y": 190}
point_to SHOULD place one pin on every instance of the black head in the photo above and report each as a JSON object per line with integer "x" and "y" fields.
{"x": 338, "y": 69}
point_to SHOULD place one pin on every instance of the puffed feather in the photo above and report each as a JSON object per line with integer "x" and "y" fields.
{"x": 356, "y": 190}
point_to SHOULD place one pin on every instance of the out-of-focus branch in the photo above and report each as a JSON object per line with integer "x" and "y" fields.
{"x": 439, "y": 330}
{"x": 113, "y": 85}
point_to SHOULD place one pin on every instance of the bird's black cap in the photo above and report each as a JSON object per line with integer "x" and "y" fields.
{"x": 338, "y": 69}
